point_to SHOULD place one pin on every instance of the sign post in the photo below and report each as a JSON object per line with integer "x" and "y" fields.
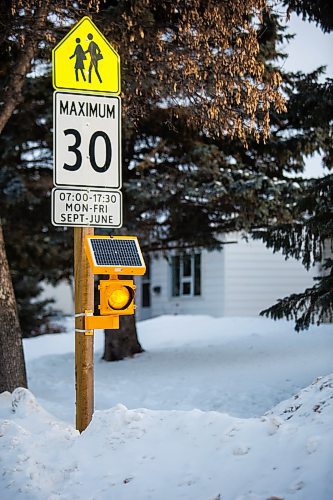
{"x": 84, "y": 340}
{"x": 87, "y": 171}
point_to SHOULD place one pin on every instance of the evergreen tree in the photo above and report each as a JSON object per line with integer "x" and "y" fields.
{"x": 308, "y": 236}
{"x": 318, "y": 11}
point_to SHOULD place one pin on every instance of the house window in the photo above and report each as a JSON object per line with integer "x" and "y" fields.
{"x": 145, "y": 284}
{"x": 186, "y": 275}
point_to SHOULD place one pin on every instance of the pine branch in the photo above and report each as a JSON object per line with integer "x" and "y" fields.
{"x": 312, "y": 224}
{"x": 313, "y": 306}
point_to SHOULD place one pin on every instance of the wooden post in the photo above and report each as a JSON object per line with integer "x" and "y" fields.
{"x": 84, "y": 344}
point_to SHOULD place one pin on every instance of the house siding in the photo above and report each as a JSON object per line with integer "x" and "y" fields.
{"x": 255, "y": 277}
{"x": 209, "y": 302}
{"x": 241, "y": 280}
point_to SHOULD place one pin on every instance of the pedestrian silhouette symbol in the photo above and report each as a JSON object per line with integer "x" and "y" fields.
{"x": 79, "y": 58}
{"x": 95, "y": 56}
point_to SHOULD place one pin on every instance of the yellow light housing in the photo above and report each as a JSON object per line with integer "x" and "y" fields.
{"x": 120, "y": 298}
{"x": 116, "y": 297}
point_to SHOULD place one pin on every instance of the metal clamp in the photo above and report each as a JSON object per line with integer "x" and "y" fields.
{"x": 92, "y": 322}
{"x": 86, "y": 332}
{"x": 85, "y": 314}
{"x": 88, "y": 312}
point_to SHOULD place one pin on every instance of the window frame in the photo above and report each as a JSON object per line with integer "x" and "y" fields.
{"x": 181, "y": 278}
{"x": 146, "y": 284}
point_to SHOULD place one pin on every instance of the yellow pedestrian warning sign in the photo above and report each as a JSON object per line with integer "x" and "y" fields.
{"x": 85, "y": 61}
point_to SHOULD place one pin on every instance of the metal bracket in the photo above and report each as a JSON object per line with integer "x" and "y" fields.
{"x": 108, "y": 322}
{"x": 91, "y": 322}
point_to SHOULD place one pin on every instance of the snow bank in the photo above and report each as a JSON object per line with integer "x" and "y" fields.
{"x": 144, "y": 454}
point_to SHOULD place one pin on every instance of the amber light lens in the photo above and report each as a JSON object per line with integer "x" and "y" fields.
{"x": 120, "y": 298}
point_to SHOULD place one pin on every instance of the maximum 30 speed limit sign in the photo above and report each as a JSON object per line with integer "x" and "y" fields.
{"x": 87, "y": 140}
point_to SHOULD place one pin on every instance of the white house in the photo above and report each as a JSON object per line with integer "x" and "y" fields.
{"x": 240, "y": 280}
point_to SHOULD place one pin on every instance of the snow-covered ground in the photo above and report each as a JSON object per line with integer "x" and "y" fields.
{"x": 214, "y": 409}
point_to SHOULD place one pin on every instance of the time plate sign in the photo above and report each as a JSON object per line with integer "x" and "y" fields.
{"x": 86, "y": 207}
{"x": 87, "y": 147}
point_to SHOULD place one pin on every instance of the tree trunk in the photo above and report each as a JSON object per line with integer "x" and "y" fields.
{"x": 12, "y": 94}
{"x": 12, "y": 367}
{"x": 122, "y": 343}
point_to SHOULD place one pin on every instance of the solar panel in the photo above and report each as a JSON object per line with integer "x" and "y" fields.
{"x": 117, "y": 254}
{"x": 110, "y": 252}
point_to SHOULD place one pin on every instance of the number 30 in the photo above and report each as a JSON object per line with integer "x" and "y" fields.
{"x": 92, "y": 149}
